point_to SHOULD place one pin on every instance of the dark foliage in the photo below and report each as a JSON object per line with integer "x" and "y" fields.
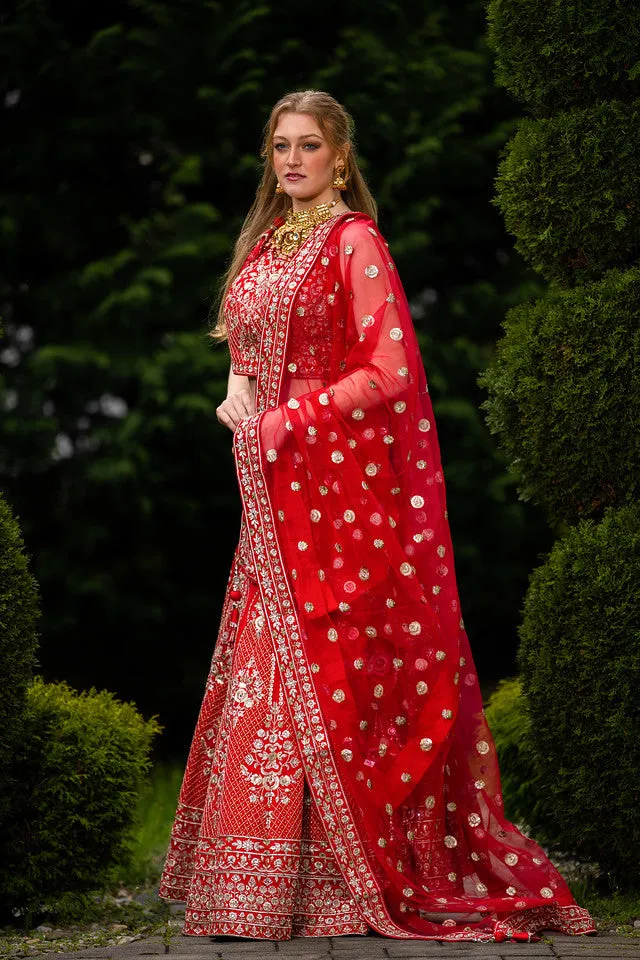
{"x": 568, "y": 189}
{"x": 565, "y": 396}
{"x": 554, "y": 55}
{"x": 580, "y": 660}
{"x": 80, "y": 766}
{"x": 510, "y": 724}
{"x": 19, "y": 613}
{"x": 565, "y": 402}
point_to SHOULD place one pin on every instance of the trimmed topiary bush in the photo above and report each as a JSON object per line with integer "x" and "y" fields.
{"x": 510, "y": 724}
{"x": 568, "y": 190}
{"x": 18, "y": 643}
{"x": 565, "y": 402}
{"x": 554, "y": 55}
{"x": 580, "y": 660}
{"x": 80, "y": 767}
{"x": 565, "y": 396}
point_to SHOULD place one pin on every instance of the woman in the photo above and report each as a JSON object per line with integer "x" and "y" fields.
{"x": 342, "y": 776}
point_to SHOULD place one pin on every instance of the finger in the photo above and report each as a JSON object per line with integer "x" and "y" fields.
{"x": 239, "y": 407}
{"x": 247, "y": 403}
{"x": 226, "y": 418}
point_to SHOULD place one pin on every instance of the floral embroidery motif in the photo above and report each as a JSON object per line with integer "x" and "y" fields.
{"x": 245, "y": 308}
{"x": 273, "y": 765}
{"x": 246, "y": 690}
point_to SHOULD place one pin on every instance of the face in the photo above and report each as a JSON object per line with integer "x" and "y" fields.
{"x": 304, "y": 162}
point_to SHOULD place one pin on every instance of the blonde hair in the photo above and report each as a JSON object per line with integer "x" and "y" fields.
{"x": 337, "y": 126}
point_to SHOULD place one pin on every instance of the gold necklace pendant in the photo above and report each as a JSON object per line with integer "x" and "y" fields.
{"x": 298, "y": 225}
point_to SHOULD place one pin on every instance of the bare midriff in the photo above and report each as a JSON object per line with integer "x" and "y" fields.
{"x": 294, "y": 388}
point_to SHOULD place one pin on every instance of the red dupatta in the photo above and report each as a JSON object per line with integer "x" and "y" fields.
{"x": 344, "y": 500}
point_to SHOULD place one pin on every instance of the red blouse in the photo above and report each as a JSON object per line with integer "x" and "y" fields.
{"x": 316, "y": 342}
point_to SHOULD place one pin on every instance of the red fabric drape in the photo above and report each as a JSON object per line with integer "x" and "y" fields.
{"x": 345, "y": 504}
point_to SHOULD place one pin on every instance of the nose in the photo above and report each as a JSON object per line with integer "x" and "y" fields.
{"x": 293, "y": 159}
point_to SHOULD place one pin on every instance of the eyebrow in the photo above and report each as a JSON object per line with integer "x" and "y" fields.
{"x": 304, "y": 136}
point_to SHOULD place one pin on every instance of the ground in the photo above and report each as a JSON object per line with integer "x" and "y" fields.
{"x": 611, "y": 947}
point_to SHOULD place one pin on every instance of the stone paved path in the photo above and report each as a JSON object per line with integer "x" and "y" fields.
{"x": 611, "y": 947}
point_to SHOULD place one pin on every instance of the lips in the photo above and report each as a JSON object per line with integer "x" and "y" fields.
{"x": 293, "y": 177}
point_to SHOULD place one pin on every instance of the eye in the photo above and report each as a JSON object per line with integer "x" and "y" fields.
{"x": 279, "y": 146}
{"x": 312, "y": 146}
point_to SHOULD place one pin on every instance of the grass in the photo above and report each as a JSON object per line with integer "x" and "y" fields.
{"x": 154, "y": 818}
{"x": 613, "y": 910}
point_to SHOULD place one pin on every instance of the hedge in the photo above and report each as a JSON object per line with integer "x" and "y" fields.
{"x": 568, "y": 190}
{"x": 565, "y": 396}
{"x": 80, "y": 768}
{"x": 19, "y": 614}
{"x": 580, "y": 663}
{"x": 554, "y": 55}
{"x": 510, "y": 724}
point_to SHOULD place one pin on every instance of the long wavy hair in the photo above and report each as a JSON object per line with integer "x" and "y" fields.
{"x": 337, "y": 126}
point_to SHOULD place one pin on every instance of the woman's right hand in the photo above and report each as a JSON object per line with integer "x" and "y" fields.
{"x": 235, "y": 408}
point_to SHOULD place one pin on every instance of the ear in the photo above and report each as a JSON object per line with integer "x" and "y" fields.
{"x": 341, "y": 158}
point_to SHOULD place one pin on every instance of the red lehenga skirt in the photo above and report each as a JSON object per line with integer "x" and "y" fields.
{"x": 248, "y": 852}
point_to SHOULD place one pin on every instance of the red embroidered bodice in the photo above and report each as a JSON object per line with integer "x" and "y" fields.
{"x": 312, "y": 342}
{"x": 245, "y": 308}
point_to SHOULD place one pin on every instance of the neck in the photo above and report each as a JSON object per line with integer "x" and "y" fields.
{"x": 322, "y": 210}
{"x": 329, "y": 196}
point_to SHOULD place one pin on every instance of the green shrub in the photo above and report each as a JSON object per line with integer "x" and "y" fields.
{"x": 80, "y": 768}
{"x": 580, "y": 662}
{"x": 568, "y": 190}
{"x": 154, "y": 819}
{"x": 565, "y": 396}
{"x": 18, "y": 643}
{"x": 508, "y": 718}
{"x": 554, "y": 55}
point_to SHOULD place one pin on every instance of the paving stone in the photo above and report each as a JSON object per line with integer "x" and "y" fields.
{"x": 414, "y": 948}
{"x": 211, "y": 947}
{"x": 600, "y": 938}
{"x": 357, "y": 940}
{"x": 435, "y": 948}
{"x": 296, "y": 949}
{"x": 560, "y": 946}
{"x": 502, "y": 949}
{"x": 362, "y": 949}
{"x": 344, "y": 945}
{"x": 491, "y": 949}
{"x": 610, "y": 950}
{"x": 598, "y": 946}
{"x": 308, "y": 953}
{"x": 148, "y": 945}
{"x": 299, "y": 944}
{"x": 90, "y": 952}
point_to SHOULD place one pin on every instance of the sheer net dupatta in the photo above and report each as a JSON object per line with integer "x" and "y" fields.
{"x": 344, "y": 497}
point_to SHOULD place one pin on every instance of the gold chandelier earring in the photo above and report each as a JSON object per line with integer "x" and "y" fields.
{"x": 279, "y": 189}
{"x": 339, "y": 183}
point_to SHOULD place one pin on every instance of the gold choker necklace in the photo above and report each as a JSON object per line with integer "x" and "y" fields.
{"x": 298, "y": 225}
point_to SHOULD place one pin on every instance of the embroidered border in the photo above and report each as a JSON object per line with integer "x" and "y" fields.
{"x": 276, "y": 594}
{"x": 273, "y": 345}
{"x": 278, "y": 600}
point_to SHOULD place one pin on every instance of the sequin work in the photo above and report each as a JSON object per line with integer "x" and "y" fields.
{"x": 351, "y": 563}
